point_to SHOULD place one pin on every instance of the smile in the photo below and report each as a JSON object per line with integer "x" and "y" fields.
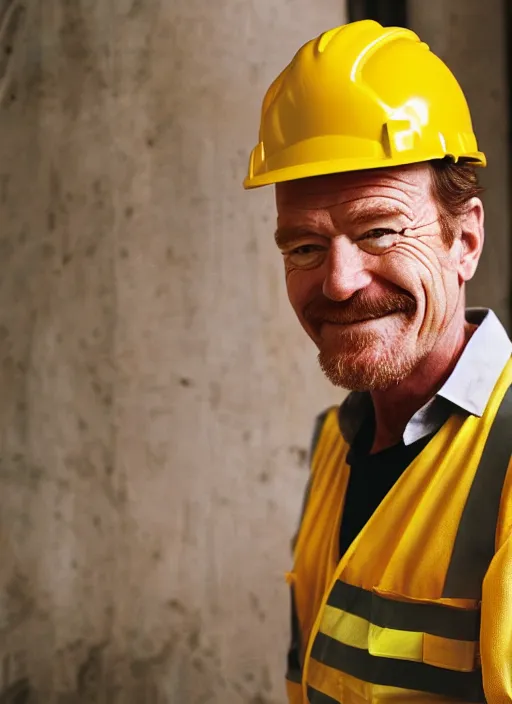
{"x": 360, "y": 321}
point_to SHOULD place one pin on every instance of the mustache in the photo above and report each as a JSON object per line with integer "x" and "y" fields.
{"x": 359, "y": 307}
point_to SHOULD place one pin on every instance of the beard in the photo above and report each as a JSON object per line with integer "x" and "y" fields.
{"x": 365, "y": 358}
{"x": 367, "y": 369}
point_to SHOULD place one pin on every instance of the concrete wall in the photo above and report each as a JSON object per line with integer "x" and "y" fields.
{"x": 470, "y": 36}
{"x": 156, "y": 393}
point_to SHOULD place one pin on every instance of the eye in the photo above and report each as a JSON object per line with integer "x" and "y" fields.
{"x": 306, "y": 249}
{"x": 379, "y": 232}
{"x": 307, "y": 256}
{"x": 378, "y": 240}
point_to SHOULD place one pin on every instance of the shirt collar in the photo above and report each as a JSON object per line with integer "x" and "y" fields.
{"x": 468, "y": 387}
{"x": 471, "y": 383}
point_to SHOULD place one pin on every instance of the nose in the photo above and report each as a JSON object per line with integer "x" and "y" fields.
{"x": 345, "y": 270}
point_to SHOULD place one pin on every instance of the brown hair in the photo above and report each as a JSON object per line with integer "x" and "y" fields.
{"x": 453, "y": 185}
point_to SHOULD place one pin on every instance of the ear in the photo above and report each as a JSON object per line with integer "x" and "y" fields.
{"x": 471, "y": 239}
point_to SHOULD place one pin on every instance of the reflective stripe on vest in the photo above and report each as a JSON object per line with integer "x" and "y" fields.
{"x": 426, "y": 647}
{"x": 294, "y": 669}
{"x": 383, "y": 641}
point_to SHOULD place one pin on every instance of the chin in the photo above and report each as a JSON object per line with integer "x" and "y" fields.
{"x": 366, "y": 370}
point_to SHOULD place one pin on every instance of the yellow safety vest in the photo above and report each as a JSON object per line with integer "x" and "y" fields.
{"x": 402, "y": 617}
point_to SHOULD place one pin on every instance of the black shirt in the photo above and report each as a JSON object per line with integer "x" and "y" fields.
{"x": 371, "y": 478}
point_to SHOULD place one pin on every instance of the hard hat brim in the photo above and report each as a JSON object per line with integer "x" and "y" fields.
{"x": 325, "y": 168}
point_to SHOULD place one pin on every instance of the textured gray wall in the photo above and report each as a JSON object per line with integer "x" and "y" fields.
{"x": 470, "y": 36}
{"x": 156, "y": 393}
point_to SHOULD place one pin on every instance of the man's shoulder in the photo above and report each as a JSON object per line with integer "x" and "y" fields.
{"x": 352, "y": 413}
{"x": 318, "y": 426}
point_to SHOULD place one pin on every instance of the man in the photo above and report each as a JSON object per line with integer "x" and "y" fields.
{"x": 401, "y": 586}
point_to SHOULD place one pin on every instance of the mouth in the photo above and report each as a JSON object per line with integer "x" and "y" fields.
{"x": 357, "y": 321}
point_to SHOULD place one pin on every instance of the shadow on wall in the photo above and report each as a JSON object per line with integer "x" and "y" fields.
{"x": 17, "y": 693}
{"x": 387, "y": 13}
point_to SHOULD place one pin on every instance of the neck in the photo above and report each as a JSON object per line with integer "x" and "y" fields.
{"x": 394, "y": 407}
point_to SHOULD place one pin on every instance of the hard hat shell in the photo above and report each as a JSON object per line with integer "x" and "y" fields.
{"x": 361, "y": 96}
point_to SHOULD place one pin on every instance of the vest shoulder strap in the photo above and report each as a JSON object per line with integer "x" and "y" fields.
{"x": 475, "y": 541}
{"x": 318, "y": 427}
{"x": 317, "y": 432}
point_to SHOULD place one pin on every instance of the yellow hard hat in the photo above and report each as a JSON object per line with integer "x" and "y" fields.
{"x": 360, "y": 96}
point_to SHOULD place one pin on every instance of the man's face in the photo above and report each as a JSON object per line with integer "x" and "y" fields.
{"x": 367, "y": 272}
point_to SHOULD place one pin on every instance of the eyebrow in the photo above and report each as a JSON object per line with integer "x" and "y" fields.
{"x": 364, "y": 215}
{"x": 285, "y": 236}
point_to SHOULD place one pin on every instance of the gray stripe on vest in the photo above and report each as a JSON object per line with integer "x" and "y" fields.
{"x": 319, "y": 424}
{"x": 294, "y": 669}
{"x": 294, "y": 664}
{"x": 317, "y": 431}
{"x": 435, "y": 619}
{"x": 393, "y": 672}
{"x": 294, "y": 676}
{"x": 474, "y": 545}
{"x": 316, "y": 697}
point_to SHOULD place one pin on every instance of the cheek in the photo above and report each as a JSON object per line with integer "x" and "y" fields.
{"x": 429, "y": 274}
{"x": 302, "y": 286}
{"x": 420, "y": 270}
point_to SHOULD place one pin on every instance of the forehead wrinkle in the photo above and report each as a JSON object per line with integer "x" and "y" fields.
{"x": 385, "y": 190}
{"x": 394, "y": 182}
{"x": 415, "y": 177}
{"x": 410, "y": 183}
{"x": 344, "y": 195}
{"x": 363, "y": 211}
